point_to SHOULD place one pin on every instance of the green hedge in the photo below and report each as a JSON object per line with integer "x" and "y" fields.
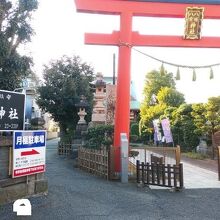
{"x": 100, "y": 135}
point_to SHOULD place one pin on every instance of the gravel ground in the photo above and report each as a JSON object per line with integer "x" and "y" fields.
{"x": 74, "y": 194}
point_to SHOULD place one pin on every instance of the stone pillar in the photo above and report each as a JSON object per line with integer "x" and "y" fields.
{"x": 124, "y": 158}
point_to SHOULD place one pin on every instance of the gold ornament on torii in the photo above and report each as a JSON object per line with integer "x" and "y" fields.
{"x": 193, "y": 22}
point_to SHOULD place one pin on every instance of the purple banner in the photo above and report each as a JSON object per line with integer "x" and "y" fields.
{"x": 157, "y": 133}
{"x": 166, "y": 130}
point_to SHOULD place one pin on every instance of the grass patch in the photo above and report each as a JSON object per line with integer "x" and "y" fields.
{"x": 195, "y": 155}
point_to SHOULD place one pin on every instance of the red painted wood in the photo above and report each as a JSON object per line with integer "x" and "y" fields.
{"x": 150, "y": 9}
{"x": 103, "y": 39}
{"x": 126, "y": 10}
{"x": 152, "y": 40}
{"x": 174, "y": 41}
{"x": 122, "y": 109}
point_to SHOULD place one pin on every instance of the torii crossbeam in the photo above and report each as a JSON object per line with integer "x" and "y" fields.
{"x": 125, "y": 36}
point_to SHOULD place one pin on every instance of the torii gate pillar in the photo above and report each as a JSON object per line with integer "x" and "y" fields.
{"x": 124, "y": 38}
{"x": 122, "y": 108}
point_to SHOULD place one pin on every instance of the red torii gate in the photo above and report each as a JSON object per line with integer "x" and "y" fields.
{"x": 125, "y": 37}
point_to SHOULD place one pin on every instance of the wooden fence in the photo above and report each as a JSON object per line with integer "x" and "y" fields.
{"x": 166, "y": 155}
{"x": 160, "y": 174}
{"x": 170, "y": 155}
{"x": 95, "y": 161}
{"x": 64, "y": 149}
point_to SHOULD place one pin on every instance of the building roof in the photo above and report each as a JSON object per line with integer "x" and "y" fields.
{"x": 134, "y": 103}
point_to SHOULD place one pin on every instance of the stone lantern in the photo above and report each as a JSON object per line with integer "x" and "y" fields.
{"x": 82, "y": 105}
{"x": 81, "y": 126}
{"x": 99, "y": 110}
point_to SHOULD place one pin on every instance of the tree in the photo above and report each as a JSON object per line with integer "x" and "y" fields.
{"x": 170, "y": 97}
{"x": 15, "y": 29}
{"x": 183, "y": 127}
{"x": 199, "y": 119}
{"x": 159, "y": 94}
{"x": 207, "y": 117}
{"x": 154, "y": 81}
{"x": 213, "y": 114}
{"x": 66, "y": 80}
{"x": 148, "y": 115}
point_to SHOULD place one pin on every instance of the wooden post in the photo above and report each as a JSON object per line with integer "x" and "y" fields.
{"x": 181, "y": 175}
{"x": 153, "y": 173}
{"x": 178, "y": 155}
{"x": 142, "y": 172}
{"x": 137, "y": 172}
{"x": 169, "y": 175}
{"x": 158, "y": 173}
{"x": 148, "y": 173}
{"x": 145, "y": 156}
{"x": 111, "y": 163}
{"x": 219, "y": 163}
{"x": 163, "y": 174}
{"x": 175, "y": 176}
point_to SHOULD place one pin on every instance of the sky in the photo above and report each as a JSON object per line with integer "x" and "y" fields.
{"x": 60, "y": 31}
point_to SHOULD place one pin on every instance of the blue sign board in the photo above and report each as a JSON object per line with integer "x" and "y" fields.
{"x": 209, "y": 2}
{"x": 29, "y": 139}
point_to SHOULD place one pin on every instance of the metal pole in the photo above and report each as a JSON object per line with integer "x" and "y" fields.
{"x": 113, "y": 69}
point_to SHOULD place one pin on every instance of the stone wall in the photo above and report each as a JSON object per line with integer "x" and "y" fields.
{"x": 21, "y": 187}
{"x": 4, "y": 162}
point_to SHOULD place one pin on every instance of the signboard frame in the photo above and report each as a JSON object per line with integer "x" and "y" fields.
{"x": 29, "y": 153}
{"x": 3, "y": 123}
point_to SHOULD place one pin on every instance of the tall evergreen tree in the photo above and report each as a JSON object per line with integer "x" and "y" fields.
{"x": 66, "y": 80}
{"x": 15, "y": 30}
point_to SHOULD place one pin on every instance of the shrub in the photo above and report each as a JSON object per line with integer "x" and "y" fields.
{"x": 135, "y": 129}
{"x": 133, "y": 138}
{"x": 66, "y": 138}
{"x": 100, "y": 135}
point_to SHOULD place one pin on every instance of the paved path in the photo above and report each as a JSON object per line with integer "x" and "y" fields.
{"x": 197, "y": 177}
{"x": 74, "y": 194}
{"x": 197, "y": 173}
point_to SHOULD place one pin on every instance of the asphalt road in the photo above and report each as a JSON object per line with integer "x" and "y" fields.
{"x": 74, "y": 194}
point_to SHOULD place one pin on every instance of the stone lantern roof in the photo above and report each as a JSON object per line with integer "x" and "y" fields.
{"x": 99, "y": 81}
{"x": 83, "y": 103}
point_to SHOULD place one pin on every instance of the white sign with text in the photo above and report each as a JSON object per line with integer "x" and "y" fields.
{"x": 29, "y": 152}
